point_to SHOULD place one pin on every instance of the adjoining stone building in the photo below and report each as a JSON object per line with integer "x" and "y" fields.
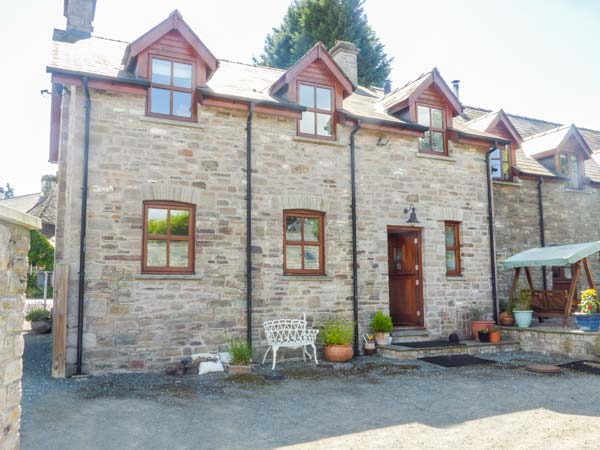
{"x": 174, "y": 141}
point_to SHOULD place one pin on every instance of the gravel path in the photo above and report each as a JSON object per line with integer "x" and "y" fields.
{"x": 375, "y": 404}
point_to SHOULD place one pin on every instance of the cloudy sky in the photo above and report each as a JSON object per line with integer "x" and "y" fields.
{"x": 534, "y": 58}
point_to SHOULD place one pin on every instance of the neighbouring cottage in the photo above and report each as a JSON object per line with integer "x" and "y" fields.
{"x": 345, "y": 199}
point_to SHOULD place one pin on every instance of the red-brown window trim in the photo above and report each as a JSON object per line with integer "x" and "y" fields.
{"x": 171, "y": 88}
{"x": 439, "y": 130}
{"x": 304, "y": 214}
{"x": 504, "y": 176}
{"x": 580, "y": 168}
{"x": 331, "y": 112}
{"x": 455, "y": 248}
{"x": 190, "y": 238}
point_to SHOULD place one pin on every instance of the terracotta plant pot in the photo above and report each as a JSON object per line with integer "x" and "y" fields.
{"x": 41, "y": 326}
{"x": 237, "y": 370}
{"x": 338, "y": 353}
{"x": 508, "y": 320}
{"x": 382, "y": 338}
{"x": 477, "y": 325}
{"x": 495, "y": 337}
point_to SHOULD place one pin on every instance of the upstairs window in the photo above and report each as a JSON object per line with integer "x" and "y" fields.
{"x": 568, "y": 166}
{"x": 452, "y": 248}
{"x": 171, "y": 91}
{"x": 434, "y": 140}
{"x": 303, "y": 242}
{"x": 168, "y": 237}
{"x": 500, "y": 163}
{"x": 317, "y": 121}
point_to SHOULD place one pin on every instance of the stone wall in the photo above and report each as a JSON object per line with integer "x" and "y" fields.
{"x": 135, "y": 321}
{"x": 574, "y": 344}
{"x": 570, "y": 216}
{"x": 14, "y": 246}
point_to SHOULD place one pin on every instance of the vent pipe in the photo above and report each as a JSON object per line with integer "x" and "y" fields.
{"x": 456, "y": 87}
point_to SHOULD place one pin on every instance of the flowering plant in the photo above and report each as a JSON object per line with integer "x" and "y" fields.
{"x": 589, "y": 302}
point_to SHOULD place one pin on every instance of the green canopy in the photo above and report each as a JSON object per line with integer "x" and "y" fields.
{"x": 559, "y": 255}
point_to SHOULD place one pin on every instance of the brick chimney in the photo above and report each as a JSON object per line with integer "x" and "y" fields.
{"x": 80, "y": 15}
{"x": 345, "y": 55}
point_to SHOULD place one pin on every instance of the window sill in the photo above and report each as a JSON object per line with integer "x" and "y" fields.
{"x": 181, "y": 123}
{"x": 306, "y": 277}
{"x": 437, "y": 157}
{"x": 318, "y": 141}
{"x": 166, "y": 276}
{"x": 455, "y": 277}
{"x": 509, "y": 183}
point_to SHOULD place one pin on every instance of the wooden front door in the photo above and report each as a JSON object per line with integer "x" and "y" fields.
{"x": 404, "y": 262}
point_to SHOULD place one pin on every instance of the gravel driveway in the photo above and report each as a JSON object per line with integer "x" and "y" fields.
{"x": 375, "y": 404}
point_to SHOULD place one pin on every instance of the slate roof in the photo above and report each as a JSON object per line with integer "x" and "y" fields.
{"x": 22, "y": 203}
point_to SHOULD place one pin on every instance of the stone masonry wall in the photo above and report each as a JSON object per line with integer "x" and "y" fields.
{"x": 14, "y": 246}
{"x": 570, "y": 216}
{"x": 135, "y": 321}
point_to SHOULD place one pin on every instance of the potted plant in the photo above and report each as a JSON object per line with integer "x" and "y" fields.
{"x": 369, "y": 346}
{"x": 478, "y": 322}
{"x": 495, "y": 335}
{"x": 337, "y": 335}
{"x": 588, "y": 317}
{"x": 241, "y": 357}
{"x": 483, "y": 335}
{"x": 40, "y": 320}
{"x": 382, "y": 326}
{"x": 506, "y": 316}
{"x": 522, "y": 309}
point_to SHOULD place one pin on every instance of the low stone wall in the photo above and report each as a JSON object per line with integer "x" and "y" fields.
{"x": 14, "y": 246}
{"x": 571, "y": 343}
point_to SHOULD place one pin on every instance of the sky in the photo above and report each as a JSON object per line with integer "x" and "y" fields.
{"x": 533, "y": 58}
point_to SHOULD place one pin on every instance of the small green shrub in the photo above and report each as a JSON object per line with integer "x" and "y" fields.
{"x": 337, "y": 331}
{"x": 524, "y": 301}
{"x": 36, "y": 314}
{"x": 476, "y": 312}
{"x": 241, "y": 353}
{"x": 381, "y": 323}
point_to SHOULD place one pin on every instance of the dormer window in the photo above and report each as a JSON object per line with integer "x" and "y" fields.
{"x": 171, "y": 93}
{"x": 317, "y": 121}
{"x": 568, "y": 166}
{"x": 500, "y": 163}
{"x": 434, "y": 140}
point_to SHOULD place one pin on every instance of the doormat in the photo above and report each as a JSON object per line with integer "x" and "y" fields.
{"x": 456, "y": 360}
{"x": 427, "y": 344}
{"x": 583, "y": 366}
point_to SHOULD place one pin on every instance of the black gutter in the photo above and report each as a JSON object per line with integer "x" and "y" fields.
{"x": 490, "y": 197}
{"x": 249, "y": 224}
{"x": 542, "y": 228}
{"x": 272, "y": 103}
{"x": 354, "y": 255}
{"x": 493, "y": 139}
{"x": 82, "y": 232}
{"x": 76, "y": 73}
{"x": 390, "y": 123}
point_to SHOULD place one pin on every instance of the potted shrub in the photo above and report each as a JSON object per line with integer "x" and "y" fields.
{"x": 40, "y": 320}
{"x": 337, "y": 335}
{"x": 522, "y": 309}
{"x": 382, "y": 326}
{"x": 369, "y": 347}
{"x": 588, "y": 317}
{"x": 495, "y": 335}
{"x": 478, "y": 322}
{"x": 241, "y": 357}
{"x": 484, "y": 335}
{"x": 506, "y": 316}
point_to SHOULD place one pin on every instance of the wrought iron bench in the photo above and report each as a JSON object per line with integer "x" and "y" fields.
{"x": 289, "y": 333}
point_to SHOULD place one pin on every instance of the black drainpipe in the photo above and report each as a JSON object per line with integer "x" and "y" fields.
{"x": 491, "y": 229}
{"x": 84, "y": 198}
{"x": 542, "y": 228}
{"x": 249, "y": 224}
{"x": 354, "y": 256}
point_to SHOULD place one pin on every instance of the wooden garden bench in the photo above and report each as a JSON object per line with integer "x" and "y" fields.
{"x": 289, "y": 333}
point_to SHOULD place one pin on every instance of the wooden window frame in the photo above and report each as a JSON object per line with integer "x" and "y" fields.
{"x": 456, "y": 248}
{"x": 190, "y": 238}
{"x": 171, "y": 88}
{"x": 305, "y": 214}
{"x": 431, "y": 129}
{"x": 504, "y": 175}
{"x": 579, "y": 169}
{"x": 315, "y": 110}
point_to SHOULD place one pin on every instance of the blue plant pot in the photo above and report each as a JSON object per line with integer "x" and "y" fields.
{"x": 523, "y": 318}
{"x": 588, "y": 322}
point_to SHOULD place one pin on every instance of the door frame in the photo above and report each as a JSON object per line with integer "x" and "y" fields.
{"x": 391, "y": 229}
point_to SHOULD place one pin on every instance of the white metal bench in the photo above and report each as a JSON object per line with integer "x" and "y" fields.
{"x": 289, "y": 333}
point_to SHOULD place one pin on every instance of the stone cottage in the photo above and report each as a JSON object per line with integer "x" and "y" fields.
{"x": 199, "y": 197}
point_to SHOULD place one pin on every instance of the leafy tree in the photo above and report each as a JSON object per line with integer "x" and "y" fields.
{"x": 309, "y": 21}
{"x": 41, "y": 251}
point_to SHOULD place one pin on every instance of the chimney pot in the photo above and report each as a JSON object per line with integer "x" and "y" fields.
{"x": 456, "y": 87}
{"x": 387, "y": 87}
{"x": 345, "y": 55}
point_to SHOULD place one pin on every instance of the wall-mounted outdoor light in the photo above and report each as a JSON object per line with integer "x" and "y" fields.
{"x": 413, "y": 214}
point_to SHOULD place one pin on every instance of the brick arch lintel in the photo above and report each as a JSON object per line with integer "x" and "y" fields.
{"x": 312, "y": 202}
{"x": 172, "y": 192}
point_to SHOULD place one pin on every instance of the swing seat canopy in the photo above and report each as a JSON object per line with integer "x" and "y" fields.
{"x": 559, "y": 255}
